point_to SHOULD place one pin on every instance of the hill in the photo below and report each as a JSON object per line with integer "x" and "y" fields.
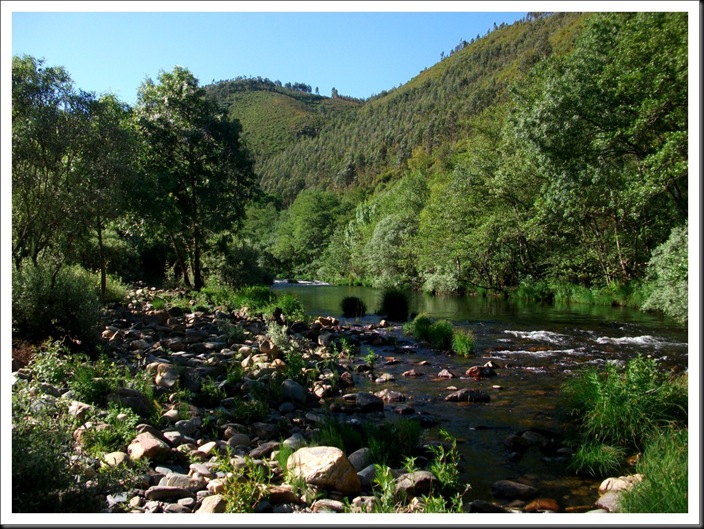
{"x": 301, "y": 140}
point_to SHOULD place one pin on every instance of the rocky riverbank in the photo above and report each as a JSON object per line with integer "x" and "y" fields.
{"x": 234, "y": 391}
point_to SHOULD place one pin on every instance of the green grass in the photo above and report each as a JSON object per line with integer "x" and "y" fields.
{"x": 621, "y": 409}
{"x": 440, "y": 334}
{"x": 463, "y": 342}
{"x": 665, "y": 467}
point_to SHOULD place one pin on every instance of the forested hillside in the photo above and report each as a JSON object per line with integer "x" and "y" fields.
{"x": 546, "y": 159}
{"x": 549, "y": 157}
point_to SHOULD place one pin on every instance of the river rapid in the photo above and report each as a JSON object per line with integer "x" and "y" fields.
{"x": 538, "y": 346}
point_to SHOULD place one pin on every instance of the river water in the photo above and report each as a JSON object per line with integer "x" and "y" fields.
{"x": 539, "y": 347}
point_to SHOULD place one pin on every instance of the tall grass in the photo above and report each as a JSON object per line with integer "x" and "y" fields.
{"x": 394, "y": 304}
{"x": 622, "y": 410}
{"x": 665, "y": 467}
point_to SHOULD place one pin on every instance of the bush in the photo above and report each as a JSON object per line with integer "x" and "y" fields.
{"x": 419, "y": 328}
{"x": 440, "y": 334}
{"x": 237, "y": 265}
{"x": 291, "y": 307}
{"x": 394, "y": 304}
{"x": 463, "y": 342}
{"x": 668, "y": 274}
{"x": 353, "y": 307}
{"x": 69, "y": 307}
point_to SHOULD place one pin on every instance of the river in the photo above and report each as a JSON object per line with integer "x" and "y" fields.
{"x": 539, "y": 345}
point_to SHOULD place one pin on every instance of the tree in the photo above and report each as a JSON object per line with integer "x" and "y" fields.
{"x": 108, "y": 168}
{"x": 198, "y": 176}
{"x": 49, "y": 118}
{"x": 608, "y": 129}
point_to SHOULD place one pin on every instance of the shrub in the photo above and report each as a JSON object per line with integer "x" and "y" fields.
{"x": 463, "y": 342}
{"x": 419, "y": 328}
{"x": 394, "y": 304}
{"x": 68, "y": 306}
{"x": 667, "y": 271}
{"x": 291, "y": 307}
{"x": 440, "y": 334}
{"x": 353, "y": 307}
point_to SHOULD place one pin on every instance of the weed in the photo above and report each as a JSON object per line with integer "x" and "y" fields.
{"x": 445, "y": 464}
{"x": 394, "y": 304}
{"x": 463, "y": 342}
{"x": 353, "y": 307}
{"x": 440, "y": 334}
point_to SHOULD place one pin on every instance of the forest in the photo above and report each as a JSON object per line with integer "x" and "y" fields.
{"x": 546, "y": 159}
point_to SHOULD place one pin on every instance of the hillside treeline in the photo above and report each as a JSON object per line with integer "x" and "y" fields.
{"x": 545, "y": 159}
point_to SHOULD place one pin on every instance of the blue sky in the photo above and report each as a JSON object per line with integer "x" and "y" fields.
{"x": 359, "y": 53}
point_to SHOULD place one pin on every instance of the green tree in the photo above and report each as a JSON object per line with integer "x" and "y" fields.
{"x": 108, "y": 168}
{"x": 49, "y": 119}
{"x": 608, "y": 130}
{"x": 199, "y": 177}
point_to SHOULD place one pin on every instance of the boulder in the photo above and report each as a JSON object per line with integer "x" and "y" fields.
{"x": 326, "y": 467}
{"x": 468, "y": 395}
{"x": 147, "y": 445}
{"x": 212, "y": 504}
{"x": 513, "y": 490}
{"x": 293, "y": 391}
{"x": 418, "y": 483}
{"x": 131, "y": 398}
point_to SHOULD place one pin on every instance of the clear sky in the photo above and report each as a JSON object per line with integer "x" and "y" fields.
{"x": 359, "y": 53}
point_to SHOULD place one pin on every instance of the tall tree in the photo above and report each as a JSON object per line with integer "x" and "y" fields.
{"x": 43, "y": 150}
{"x": 199, "y": 176}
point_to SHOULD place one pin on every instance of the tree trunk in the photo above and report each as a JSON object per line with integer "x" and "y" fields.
{"x": 101, "y": 255}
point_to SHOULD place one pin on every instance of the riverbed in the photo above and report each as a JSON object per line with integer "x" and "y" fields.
{"x": 537, "y": 345}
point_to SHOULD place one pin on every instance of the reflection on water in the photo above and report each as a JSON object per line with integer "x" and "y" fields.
{"x": 538, "y": 347}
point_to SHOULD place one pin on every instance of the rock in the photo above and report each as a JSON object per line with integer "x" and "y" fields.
{"x": 182, "y": 481}
{"x": 175, "y": 508}
{"x": 480, "y": 372}
{"x": 295, "y": 442}
{"x": 201, "y": 469}
{"x": 385, "y": 377}
{"x": 513, "y": 490}
{"x": 114, "y": 459}
{"x": 280, "y": 494}
{"x": 367, "y": 475}
{"x": 446, "y": 373}
{"x": 620, "y": 484}
{"x": 270, "y": 349}
{"x": 468, "y": 395}
{"x": 609, "y": 501}
{"x": 160, "y": 493}
{"x": 388, "y": 395}
{"x": 264, "y": 449}
{"x": 238, "y": 439}
{"x": 411, "y": 373}
{"x": 366, "y": 402}
{"x": 131, "y": 398}
{"x": 326, "y": 467}
{"x": 212, "y": 504}
{"x": 364, "y": 504}
{"x": 79, "y": 410}
{"x": 293, "y": 391}
{"x": 485, "y": 506}
{"x": 328, "y": 505}
{"x": 146, "y": 445}
{"x": 360, "y": 459}
{"x": 542, "y": 505}
{"x": 418, "y": 483}
{"x": 167, "y": 375}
